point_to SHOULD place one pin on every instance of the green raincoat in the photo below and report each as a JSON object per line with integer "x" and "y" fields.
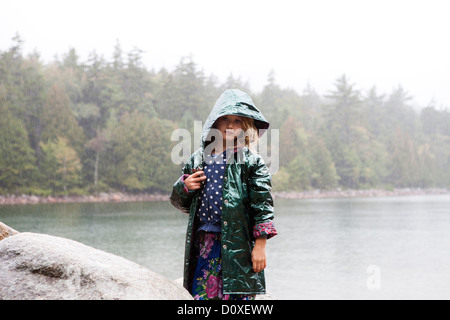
{"x": 247, "y": 203}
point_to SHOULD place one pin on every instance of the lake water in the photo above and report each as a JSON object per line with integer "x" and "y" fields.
{"x": 359, "y": 248}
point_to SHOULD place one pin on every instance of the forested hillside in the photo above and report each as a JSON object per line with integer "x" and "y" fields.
{"x": 81, "y": 127}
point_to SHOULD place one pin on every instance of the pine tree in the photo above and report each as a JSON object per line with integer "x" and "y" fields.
{"x": 17, "y": 163}
{"x": 342, "y": 117}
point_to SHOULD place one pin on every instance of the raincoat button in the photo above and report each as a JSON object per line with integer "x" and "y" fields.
{"x": 225, "y": 223}
{"x": 226, "y": 201}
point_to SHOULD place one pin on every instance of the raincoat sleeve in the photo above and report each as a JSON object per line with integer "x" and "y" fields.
{"x": 181, "y": 197}
{"x": 261, "y": 201}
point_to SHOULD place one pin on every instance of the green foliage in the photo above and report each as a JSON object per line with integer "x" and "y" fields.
{"x": 17, "y": 163}
{"x": 139, "y": 152}
{"x": 323, "y": 173}
{"x": 73, "y": 127}
{"x": 60, "y": 166}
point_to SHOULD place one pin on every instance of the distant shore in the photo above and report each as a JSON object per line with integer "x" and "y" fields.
{"x": 341, "y": 193}
{"x": 313, "y": 194}
{"x": 101, "y": 197}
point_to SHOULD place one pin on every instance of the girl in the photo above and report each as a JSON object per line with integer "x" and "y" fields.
{"x": 225, "y": 189}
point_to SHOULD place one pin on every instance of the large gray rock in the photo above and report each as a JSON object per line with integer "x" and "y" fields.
{"x": 38, "y": 266}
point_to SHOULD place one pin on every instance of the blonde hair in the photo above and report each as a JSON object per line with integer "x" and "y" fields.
{"x": 250, "y": 137}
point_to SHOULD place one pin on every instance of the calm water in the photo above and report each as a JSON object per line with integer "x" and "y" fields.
{"x": 367, "y": 248}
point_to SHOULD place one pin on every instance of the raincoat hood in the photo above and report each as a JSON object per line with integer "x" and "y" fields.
{"x": 238, "y": 103}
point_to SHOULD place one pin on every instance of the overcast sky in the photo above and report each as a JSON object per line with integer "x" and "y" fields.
{"x": 384, "y": 42}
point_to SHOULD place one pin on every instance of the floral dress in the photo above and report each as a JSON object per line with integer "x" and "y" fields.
{"x": 208, "y": 272}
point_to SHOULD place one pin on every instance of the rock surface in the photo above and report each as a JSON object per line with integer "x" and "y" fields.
{"x": 38, "y": 266}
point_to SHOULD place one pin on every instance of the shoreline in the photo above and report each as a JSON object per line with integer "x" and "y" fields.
{"x": 362, "y": 193}
{"x": 119, "y": 197}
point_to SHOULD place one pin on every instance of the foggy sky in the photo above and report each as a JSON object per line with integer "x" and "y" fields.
{"x": 382, "y": 43}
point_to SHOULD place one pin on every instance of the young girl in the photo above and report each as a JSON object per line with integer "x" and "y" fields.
{"x": 225, "y": 189}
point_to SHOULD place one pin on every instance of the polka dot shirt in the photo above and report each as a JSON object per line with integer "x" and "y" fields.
{"x": 209, "y": 203}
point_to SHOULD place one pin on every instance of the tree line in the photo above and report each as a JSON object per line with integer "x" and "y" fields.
{"x": 72, "y": 127}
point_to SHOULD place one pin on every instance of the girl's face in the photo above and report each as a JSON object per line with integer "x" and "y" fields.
{"x": 230, "y": 126}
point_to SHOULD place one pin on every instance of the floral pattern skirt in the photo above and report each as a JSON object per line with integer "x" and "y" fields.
{"x": 208, "y": 272}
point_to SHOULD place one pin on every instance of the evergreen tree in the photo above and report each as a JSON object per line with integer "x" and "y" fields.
{"x": 17, "y": 163}
{"x": 343, "y": 112}
{"x": 342, "y": 116}
{"x": 183, "y": 95}
{"x": 58, "y": 119}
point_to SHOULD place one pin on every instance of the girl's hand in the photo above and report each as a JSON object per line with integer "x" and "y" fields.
{"x": 194, "y": 181}
{"x": 259, "y": 255}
